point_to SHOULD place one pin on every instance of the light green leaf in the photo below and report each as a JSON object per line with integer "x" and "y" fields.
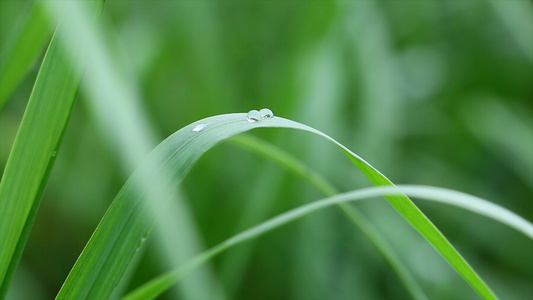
{"x": 126, "y": 223}
{"x": 155, "y": 287}
{"x": 33, "y": 155}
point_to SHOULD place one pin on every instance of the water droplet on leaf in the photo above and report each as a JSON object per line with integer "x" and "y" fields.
{"x": 199, "y": 127}
{"x": 266, "y": 113}
{"x": 253, "y": 116}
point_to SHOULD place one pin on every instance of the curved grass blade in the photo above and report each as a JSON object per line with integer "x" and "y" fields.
{"x": 33, "y": 155}
{"x": 477, "y": 205}
{"x": 23, "y": 50}
{"x": 353, "y": 214}
{"x": 110, "y": 250}
{"x": 410, "y": 212}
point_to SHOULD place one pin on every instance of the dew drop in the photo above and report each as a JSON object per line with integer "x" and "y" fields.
{"x": 253, "y": 116}
{"x": 54, "y": 153}
{"x": 266, "y": 113}
{"x": 199, "y": 127}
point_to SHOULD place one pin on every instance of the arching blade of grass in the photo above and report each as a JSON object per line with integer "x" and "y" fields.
{"x": 126, "y": 223}
{"x": 353, "y": 214}
{"x": 158, "y": 285}
{"x": 33, "y": 155}
{"x": 23, "y": 50}
{"x": 405, "y": 207}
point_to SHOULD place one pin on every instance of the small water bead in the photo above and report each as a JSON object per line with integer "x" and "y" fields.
{"x": 266, "y": 113}
{"x": 253, "y": 116}
{"x": 199, "y": 127}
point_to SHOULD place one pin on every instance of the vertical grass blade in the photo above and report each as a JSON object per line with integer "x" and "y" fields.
{"x": 33, "y": 155}
{"x": 23, "y": 50}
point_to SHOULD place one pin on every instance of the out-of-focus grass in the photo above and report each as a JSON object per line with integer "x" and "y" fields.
{"x": 194, "y": 59}
{"x": 22, "y": 50}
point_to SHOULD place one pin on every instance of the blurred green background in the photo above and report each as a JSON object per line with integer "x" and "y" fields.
{"x": 429, "y": 92}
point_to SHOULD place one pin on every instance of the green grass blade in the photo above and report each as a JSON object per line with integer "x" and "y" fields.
{"x": 411, "y": 213}
{"x": 34, "y": 151}
{"x": 33, "y": 155}
{"x": 353, "y": 214}
{"x": 156, "y": 286}
{"x": 127, "y": 221}
{"x": 20, "y": 54}
{"x": 182, "y": 150}
{"x": 114, "y": 101}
